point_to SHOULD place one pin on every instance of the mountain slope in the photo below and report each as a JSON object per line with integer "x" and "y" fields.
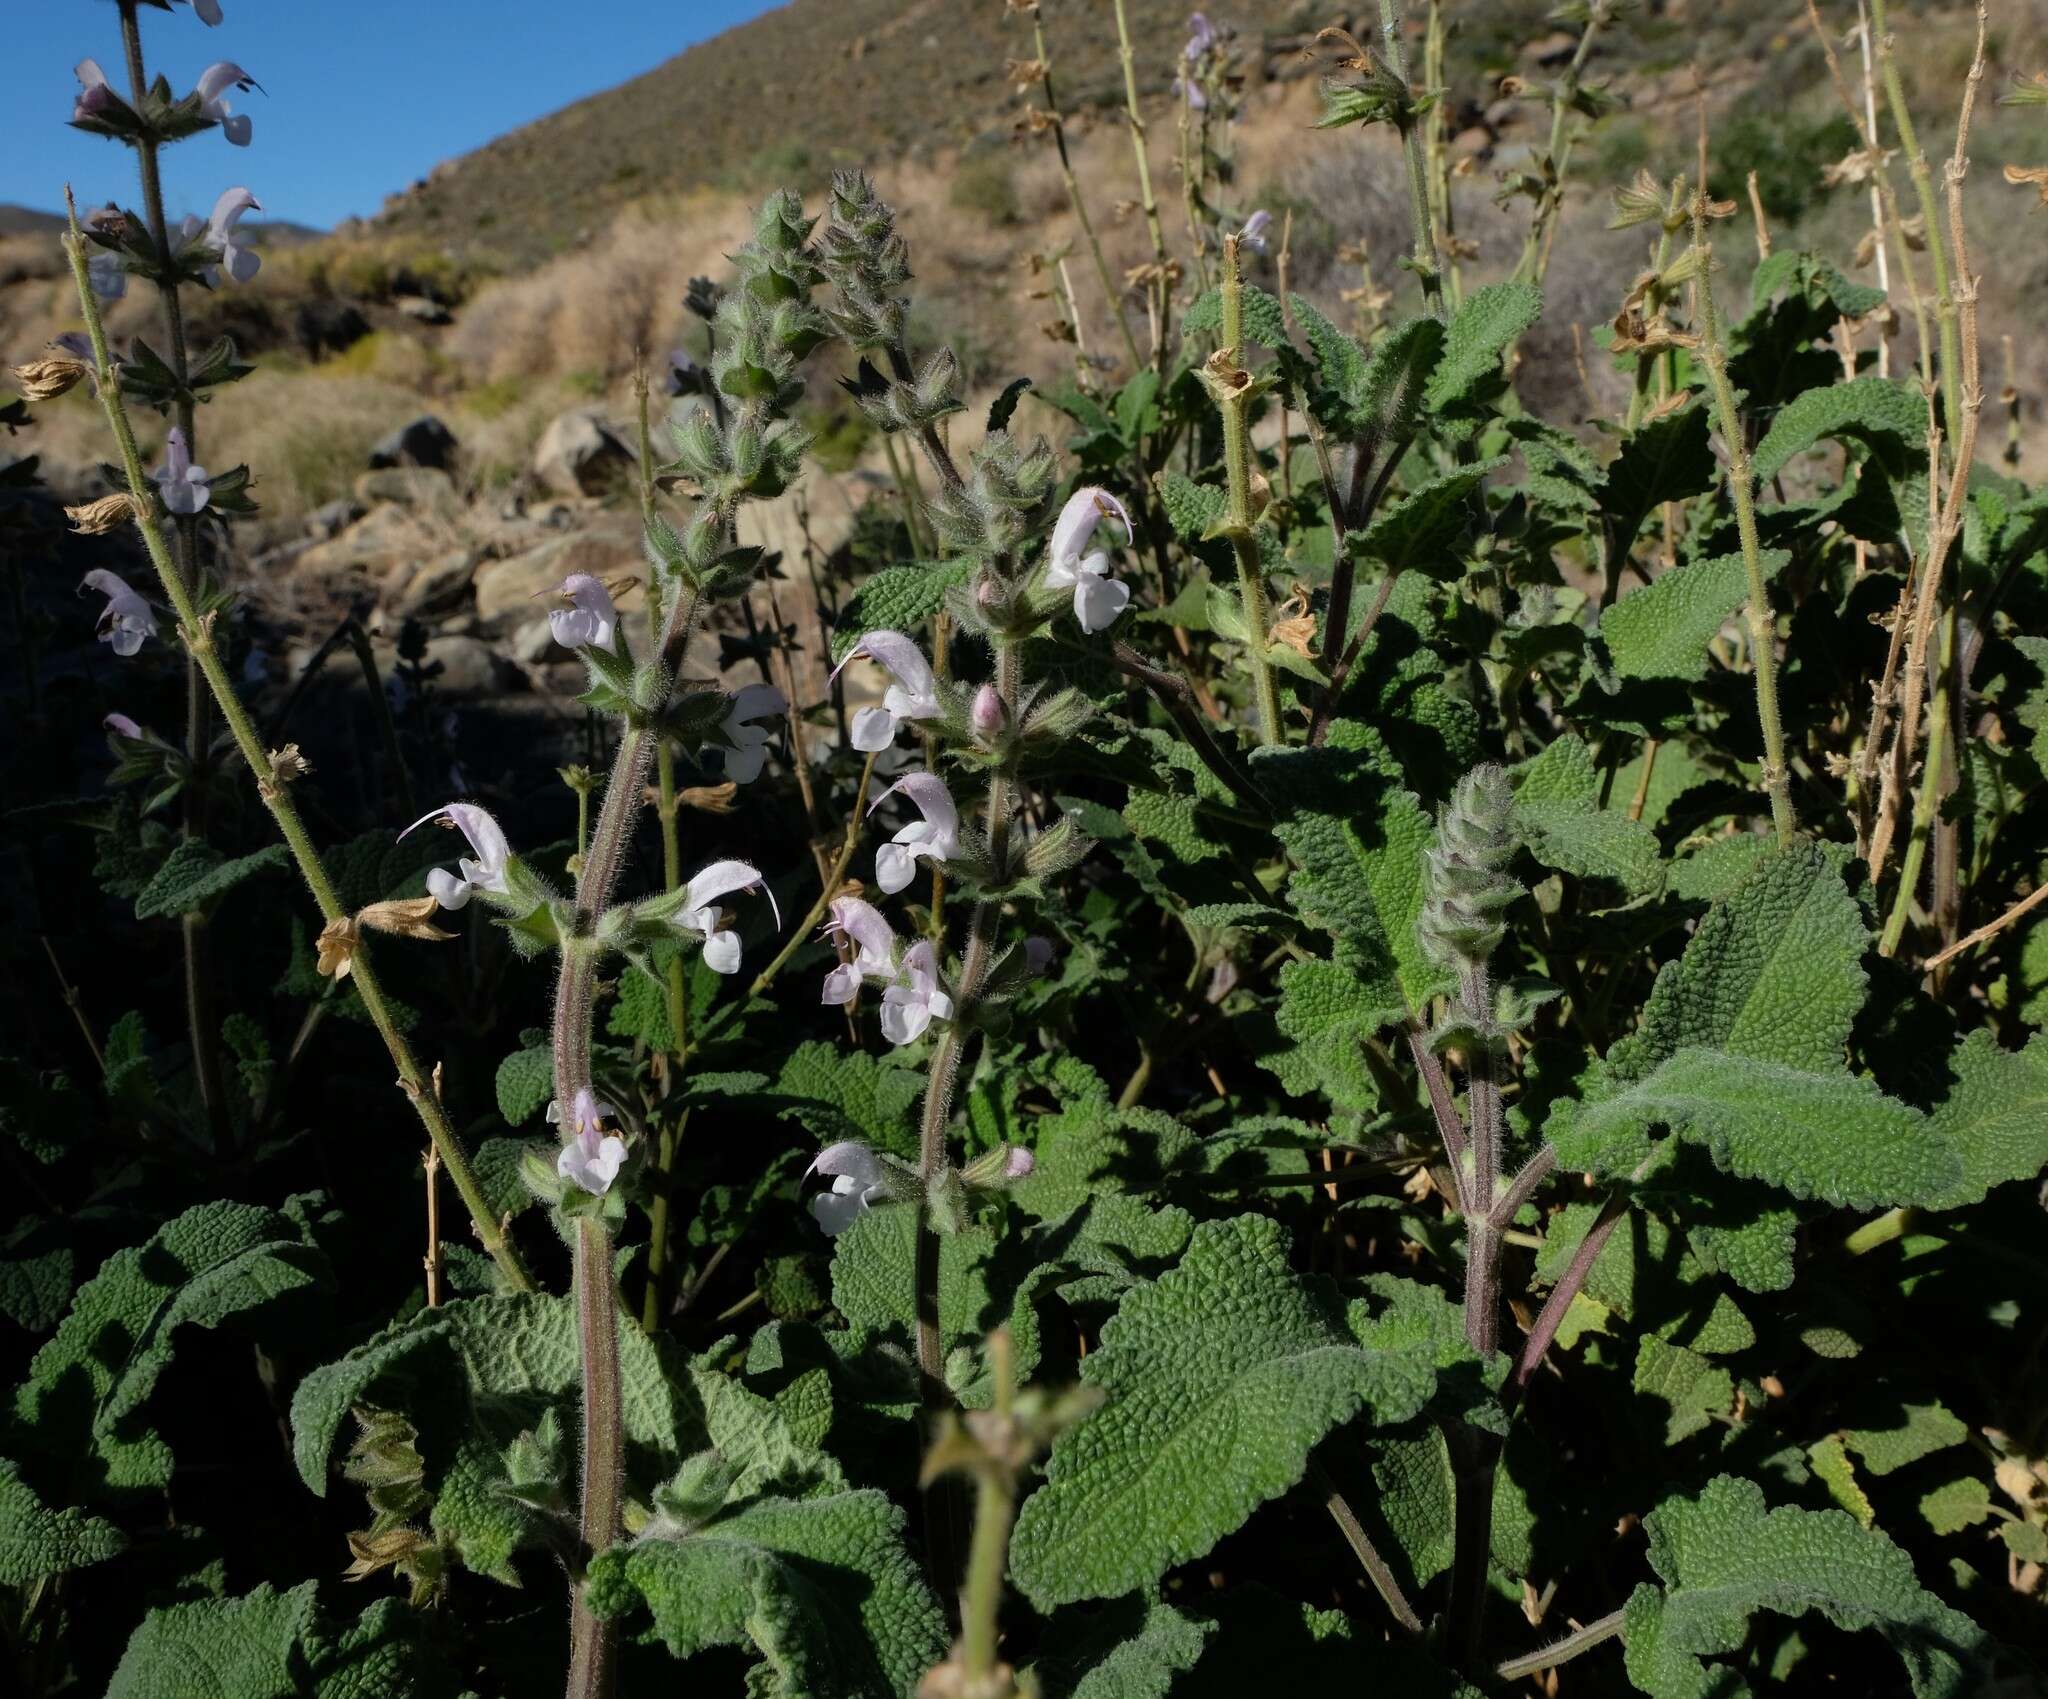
{"x": 805, "y": 88}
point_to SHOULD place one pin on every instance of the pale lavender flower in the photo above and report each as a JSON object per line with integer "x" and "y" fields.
{"x": 914, "y": 695}
{"x": 183, "y": 486}
{"x": 95, "y": 93}
{"x": 912, "y": 1005}
{"x": 1020, "y": 1165}
{"x": 121, "y": 726}
{"x": 126, "y": 619}
{"x": 859, "y": 1181}
{"x": 75, "y": 343}
{"x": 242, "y": 263}
{"x": 1191, "y": 91}
{"x": 1098, "y": 598}
{"x": 208, "y": 10}
{"x": 214, "y": 82}
{"x": 1037, "y": 954}
{"x": 755, "y": 702}
{"x": 492, "y": 855}
{"x": 1253, "y": 235}
{"x": 875, "y": 948}
{"x": 936, "y": 836}
{"x": 592, "y": 1157}
{"x": 1201, "y": 36}
{"x": 700, "y": 910}
{"x": 590, "y": 620}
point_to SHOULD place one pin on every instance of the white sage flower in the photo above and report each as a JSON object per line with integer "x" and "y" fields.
{"x": 1253, "y": 235}
{"x": 214, "y": 82}
{"x": 240, "y": 261}
{"x": 936, "y": 837}
{"x": 755, "y": 702}
{"x": 911, "y": 1005}
{"x": 859, "y": 1181}
{"x": 874, "y": 948}
{"x": 592, "y": 1157}
{"x": 127, "y": 619}
{"x": 700, "y": 913}
{"x": 1098, "y": 598}
{"x": 589, "y": 620}
{"x": 95, "y": 93}
{"x": 914, "y": 695}
{"x": 485, "y": 870}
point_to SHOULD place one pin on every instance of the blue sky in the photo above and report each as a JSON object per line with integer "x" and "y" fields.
{"x": 363, "y": 96}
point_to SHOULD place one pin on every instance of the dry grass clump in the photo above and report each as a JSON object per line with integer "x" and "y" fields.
{"x": 596, "y": 310}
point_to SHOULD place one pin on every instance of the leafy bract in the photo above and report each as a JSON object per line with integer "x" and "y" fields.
{"x": 1480, "y": 332}
{"x": 1663, "y": 629}
{"x": 1377, "y": 397}
{"x": 1723, "y": 1557}
{"x": 821, "y": 1587}
{"x": 1218, "y": 1380}
{"x": 1559, "y": 817}
{"x": 86, "y": 1388}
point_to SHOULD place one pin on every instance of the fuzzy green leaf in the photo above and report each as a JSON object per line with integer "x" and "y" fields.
{"x": 1330, "y": 1014}
{"x": 86, "y": 1387}
{"x": 1921, "y": 1431}
{"x": 1360, "y": 879}
{"x": 898, "y": 598}
{"x": 1192, "y": 509}
{"x": 1669, "y": 459}
{"x": 195, "y": 873}
{"x": 1888, "y": 413}
{"x": 1695, "y": 1390}
{"x": 1723, "y": 1557}
{"x": 1263, "y": 320}
{"x": 1132, "y": 1650}
{"x": 1490, "y": 319}
{"x": 526, "y": 1080}
{"x": 835, "y": 1094}
{"x": 1996, "y": 1115}
{"x": 242, "y": 1648}
{"x": 1423, "y": 530}
{"x": 1219, "y": 1379}
{"x": 1818, "y": 1135}
{"x": 821, "y": 1587}
{"x": 1559, "y": 817}
{"x": 37, "y": 1542}
{"x": 1663, "y": 629}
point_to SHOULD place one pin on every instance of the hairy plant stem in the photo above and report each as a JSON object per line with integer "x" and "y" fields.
{"x": 1110, "y": 292}
{"x": 1360, "y": 1542}
{"x": 1423, "y": 254}
{"x": 669, "y": 1135}
{"x": 1535, "y": 260}
{"x": 1475, "y": 1453}
{"x": 202, "y": 1028}
{"x": 1945, "y": 305}
{"x": 1927, "y": 800}
{"x": 197, "y": 632}
{"x": 1233, "y": 401}
{"x": 593, "y": 1642}
{"x": 1762, "y": 619}
{"x": 995, "y": 1507}
{"x": 1563, "y": 1651}
{"x": 1146, "y": 198}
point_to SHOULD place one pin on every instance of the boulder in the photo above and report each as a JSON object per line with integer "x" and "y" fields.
{"x": 435, "y": 586}
{"x": 384, "y": 539}
{"x": 424, "y": 309}
{"x": 469, "y": 667}
{"x": 580, "y": 454}
{"x": 507, "y": 587}
{"x": 423, "y": 442}
{"x": 326, "y": 326}
{"x": 425, "y": 489}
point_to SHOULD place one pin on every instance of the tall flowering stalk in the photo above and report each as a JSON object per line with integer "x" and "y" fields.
{"x": 994, "y": 514}
{"x": 274, "y": 772}
{"x": 747, "y": 450}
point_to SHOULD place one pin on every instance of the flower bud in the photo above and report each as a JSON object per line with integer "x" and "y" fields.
{"x": 987, "y": 715}
{"x": 995, "y": 1169}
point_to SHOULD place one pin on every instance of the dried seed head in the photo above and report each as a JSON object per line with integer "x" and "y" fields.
{"x": 97, "y": 518}
{"x": 50, "y": 375}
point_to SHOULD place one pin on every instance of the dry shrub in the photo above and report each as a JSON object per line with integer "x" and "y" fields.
{"x": 593, "y": 311}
